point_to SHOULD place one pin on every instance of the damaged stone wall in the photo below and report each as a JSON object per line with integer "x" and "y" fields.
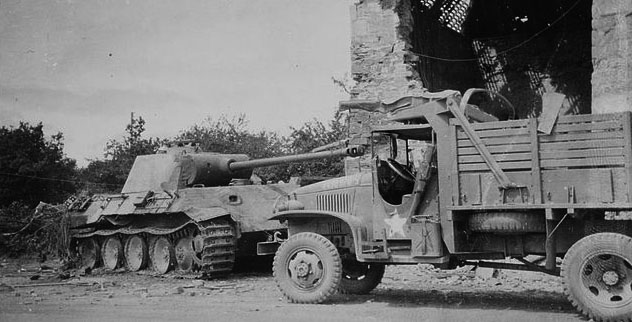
{"x": 520, "y": 49}
{"x": 381, "y": 63}
{"x": 611, "y": 56}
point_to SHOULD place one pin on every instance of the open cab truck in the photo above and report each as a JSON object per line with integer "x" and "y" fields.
{"x": 455, "y": 186}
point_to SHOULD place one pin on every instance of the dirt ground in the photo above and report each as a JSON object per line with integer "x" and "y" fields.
{"x": 31, "y": 291}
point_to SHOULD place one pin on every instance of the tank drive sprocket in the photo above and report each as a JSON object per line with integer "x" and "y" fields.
{"x": 219, "y": 246}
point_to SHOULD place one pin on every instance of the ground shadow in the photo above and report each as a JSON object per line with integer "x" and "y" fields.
{"x": 525, "y": 300}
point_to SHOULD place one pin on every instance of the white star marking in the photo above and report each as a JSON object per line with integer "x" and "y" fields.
{"x": 396, "y": 225}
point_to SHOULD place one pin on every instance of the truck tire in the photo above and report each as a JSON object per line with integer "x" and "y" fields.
{"x": 597, "y": 275}
{"x": 307, "y": 268}
{"x": 360, "y": 278}
{"x": 507, "y": 222}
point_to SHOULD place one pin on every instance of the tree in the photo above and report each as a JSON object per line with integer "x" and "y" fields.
{"x": 316, "y": 134}
{"x": 109, "y": 174}
{"x": 33, "y": 168}
{"x": 231, "y": 136}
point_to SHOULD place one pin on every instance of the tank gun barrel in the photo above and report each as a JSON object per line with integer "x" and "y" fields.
{"x": 250, "y": 164}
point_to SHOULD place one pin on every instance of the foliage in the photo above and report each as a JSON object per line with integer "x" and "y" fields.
{"x": 33, "y": 168}
{"x": 109, "y": 174}
{"x": 43, "y": 230}
{"x": 316, "y": 134}
{"x": 231, "y": 136}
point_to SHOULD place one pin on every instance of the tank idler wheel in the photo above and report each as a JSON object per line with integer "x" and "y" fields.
{"x": 112, "y": 253}
{"x": 360, "y": 278}
{"x": 136, "y": 253}
{"x": 597, "y": 275}
{"x": 89, "y": 251}
{"x": 185, "y": 255}
{"x": 162, "y": 255}
{"x": 307, "y": 268}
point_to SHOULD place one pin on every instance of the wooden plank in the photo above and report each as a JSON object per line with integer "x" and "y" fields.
{"x": 497, "y": 141}
{"x": 627, "y": 130}
{"x": 587, "y": 162}
{"x": 495, "y": 133}
{"x": 503, "y": 165}
{"x": 494, "y": 125}
{"x": 586, "y": 153}
{"x": 498, "y": 149}
{"x": 581, "y": 136}
{"x": 551, "y": 104}
{"x": 610, "y": 125}
{"x": 499, "y": 157}
{"x": 589, "y": 118}
{"x": 536, "y": 174}
{"x": 454, "y": 179}
{"x": 591, "y": 144}
{"x": 499, "y": 175}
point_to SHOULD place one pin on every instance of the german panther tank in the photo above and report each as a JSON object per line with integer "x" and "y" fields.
{"x": 185, "y": 209}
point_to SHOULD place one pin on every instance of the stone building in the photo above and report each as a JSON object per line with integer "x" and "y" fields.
{"x": 517, "y": 48}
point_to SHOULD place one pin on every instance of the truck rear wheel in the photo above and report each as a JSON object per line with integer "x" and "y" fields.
{"x": 360, "y": 278}
{"x": 307, "y": 268}
{"x": 597, "y": 272}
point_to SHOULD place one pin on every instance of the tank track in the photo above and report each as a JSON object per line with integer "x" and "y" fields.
{"x": 218, "y": 243}
{"x": 219, "y": 247}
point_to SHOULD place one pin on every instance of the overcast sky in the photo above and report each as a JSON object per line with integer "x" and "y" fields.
{"x": 81, "y": 67}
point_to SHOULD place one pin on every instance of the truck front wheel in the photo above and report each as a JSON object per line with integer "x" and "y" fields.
{"x": 307, "y": 268}
{"x": 360, "y": 278}
{"x": 597, "y": 272}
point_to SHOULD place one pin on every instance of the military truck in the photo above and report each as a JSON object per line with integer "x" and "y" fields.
{"x": 456, "y": 186}
{"x": 183, "y": 208}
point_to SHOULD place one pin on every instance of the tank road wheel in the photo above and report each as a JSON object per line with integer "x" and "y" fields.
{"x": 136, "y": 253}
{"x": 88, "y": 251}
{"x": 597, "y": 272}
{"x": 112, "y": 253}
{"x": 162, "y": 255}
{"x": 307, "y": 268}
{"x": 185, "y": 254}
{"x": 360, "y": 278}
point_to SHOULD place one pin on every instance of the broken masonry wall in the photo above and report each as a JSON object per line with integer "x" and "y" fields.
{"x": 611, "y": 56}
{"x": 382, "y": 64}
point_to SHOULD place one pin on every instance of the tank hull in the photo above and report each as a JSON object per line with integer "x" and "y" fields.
{"x": 187, "y": 216}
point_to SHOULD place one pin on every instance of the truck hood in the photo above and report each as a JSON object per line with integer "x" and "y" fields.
{"x": 355, "y": 180}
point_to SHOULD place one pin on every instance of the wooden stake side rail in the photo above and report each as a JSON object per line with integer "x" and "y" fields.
{"x": 586, "y": 159}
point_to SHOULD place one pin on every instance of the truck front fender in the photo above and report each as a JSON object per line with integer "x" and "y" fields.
{"x": 352, "y": 221}
{"x": 356, "y": 226}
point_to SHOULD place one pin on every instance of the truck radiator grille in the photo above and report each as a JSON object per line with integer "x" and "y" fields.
{"x": 338, "y": 202}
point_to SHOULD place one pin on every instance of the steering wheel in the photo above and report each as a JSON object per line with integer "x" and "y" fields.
{"x": 400, "y": 170}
